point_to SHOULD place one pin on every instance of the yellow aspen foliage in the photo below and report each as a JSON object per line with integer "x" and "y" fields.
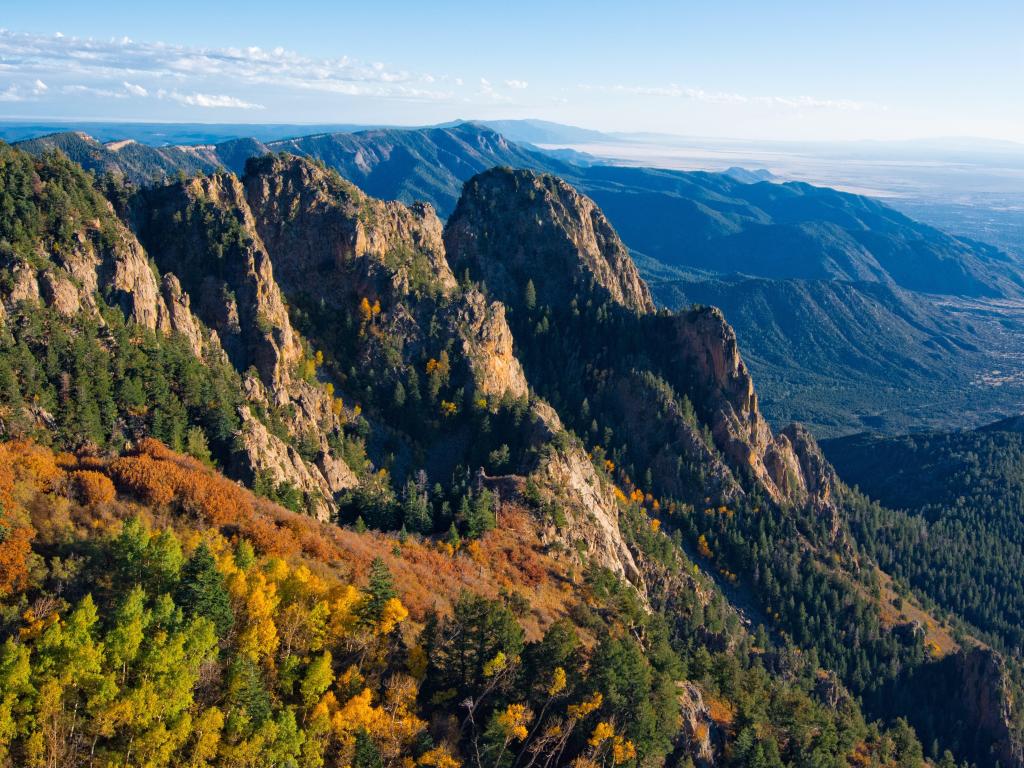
{"x": 350, "y": 682}
{"x": 476, "y": 552}
{"x": 622, "y": 750}
{"x": 318, "y": 358}
{"x": 557, "y": 682}
{"x": 602, "y": 732}
{"x": 439, "y": 757}
{"x": 514, "y": 721}
{"x": 585, "y": 707}
{"x": 394, "y": 613}
{"x": 356, "y": 714}
{"x": 206, "y": 734}
{"x": 655, "y": 524}
{"x": 448, "y": 408}
{"x": 376, "y": 307}
{"x": 365, "y": 310}
{"x": 344, "y": 615}
{"x": 276, "y": 569}
{"x": 495, "y": 665}
{"x": 258, "y": 638}
{"x": 317, "y": 680}
{"x": 703, "y": 548}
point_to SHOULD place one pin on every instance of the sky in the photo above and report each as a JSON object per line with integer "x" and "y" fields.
{"x": 757, "y": 69}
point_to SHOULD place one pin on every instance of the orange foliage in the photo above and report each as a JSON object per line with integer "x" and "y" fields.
{"x": 93, "y": 488}
{"x": 720, "y": 710}
{"x": 426, "y": 577}
{"x": 16, "y": 533}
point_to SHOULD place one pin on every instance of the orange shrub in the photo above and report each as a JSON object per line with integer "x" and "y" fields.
{"x": 92, "y": 488}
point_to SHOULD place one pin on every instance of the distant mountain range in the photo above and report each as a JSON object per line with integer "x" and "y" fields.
{"x": 830, "y": 292}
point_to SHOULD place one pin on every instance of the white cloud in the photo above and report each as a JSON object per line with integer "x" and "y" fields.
{"x": 89, "y": 90}
{"x": 719, "y": 97}
{"x": 209, "y": 101}
{"x": 135, "y": 90}
{"x": 91, "y": 60}
{"x": 517, "y": 84}
{"x": 23, "y": 92}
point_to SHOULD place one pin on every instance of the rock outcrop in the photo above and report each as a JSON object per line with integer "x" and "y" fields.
{"x": 330, "y": 240}
{"x": 546, "y": 231}
{"x": 203, "y": 231}
{"x": 987, "y": 696}
{"x": 487, "y": 345}
{"x": 789, "y": 466}
{"x": 588, "y": 501}
{"x": 516, "y": 228}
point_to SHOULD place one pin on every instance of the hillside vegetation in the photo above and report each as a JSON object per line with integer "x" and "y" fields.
{"x": 426, "y": 494}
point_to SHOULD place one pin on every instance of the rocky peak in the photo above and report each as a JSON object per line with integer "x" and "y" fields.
{"x": 203, "y": 231}
{"x": 789, "y": 466}
{"x": 327, "y": 236}
{"x": 511, "y": 226}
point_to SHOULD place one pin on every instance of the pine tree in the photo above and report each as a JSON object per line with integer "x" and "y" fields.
{"x": 201, "y": 591}
{"x": 530, "y": 296}
{"x": 379, "y": 590}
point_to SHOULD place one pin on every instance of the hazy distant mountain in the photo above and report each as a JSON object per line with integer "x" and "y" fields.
{"x": 169, "y": 134}
{"x": 748, "y": 176}
{"x": 545, "y": 132}
{"x": 428, "y": 164}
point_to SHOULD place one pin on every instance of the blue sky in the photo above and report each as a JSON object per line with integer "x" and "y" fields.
{"x": 768, "y": 69}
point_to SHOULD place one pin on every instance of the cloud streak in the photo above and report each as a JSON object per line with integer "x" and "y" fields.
{"x": 719, "y": 97}
{"x": 197, "y": 77}
{"x": 209, "y": 101}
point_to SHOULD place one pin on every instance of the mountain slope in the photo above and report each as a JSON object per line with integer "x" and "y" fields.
{"x": 845, "y": 356}
{"x": 614, "y": 437}
{"x": 959, "y": 538}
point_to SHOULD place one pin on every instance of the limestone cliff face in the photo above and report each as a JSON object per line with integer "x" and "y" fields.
{"x": 105, "y": 259}
{"x": 789, "y": 466}
{"x": 203, "y": 231}
{"x": 335, "y": 246}
{"x": 488, "y": 346}
{"x": 513, "y": 227}
{"x": 326, "y": 235}
{"x": 567, "y": 473}
{"x": 545, "y": 230}
{"x": 987, "y": 695}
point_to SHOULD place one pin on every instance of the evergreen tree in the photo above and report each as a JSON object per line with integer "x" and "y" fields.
{"x": 201, "y": 591}
{"x": 530, "y": 296}
{"x": 379, "y": 589}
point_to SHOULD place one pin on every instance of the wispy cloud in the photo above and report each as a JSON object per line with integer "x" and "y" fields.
{"x": 23, "y": 91}
{"x": 722, "y": 97}
{"x": 518, "y": 85}
{"x": 208, "y": 101}
{"x": 96, "y": 62}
